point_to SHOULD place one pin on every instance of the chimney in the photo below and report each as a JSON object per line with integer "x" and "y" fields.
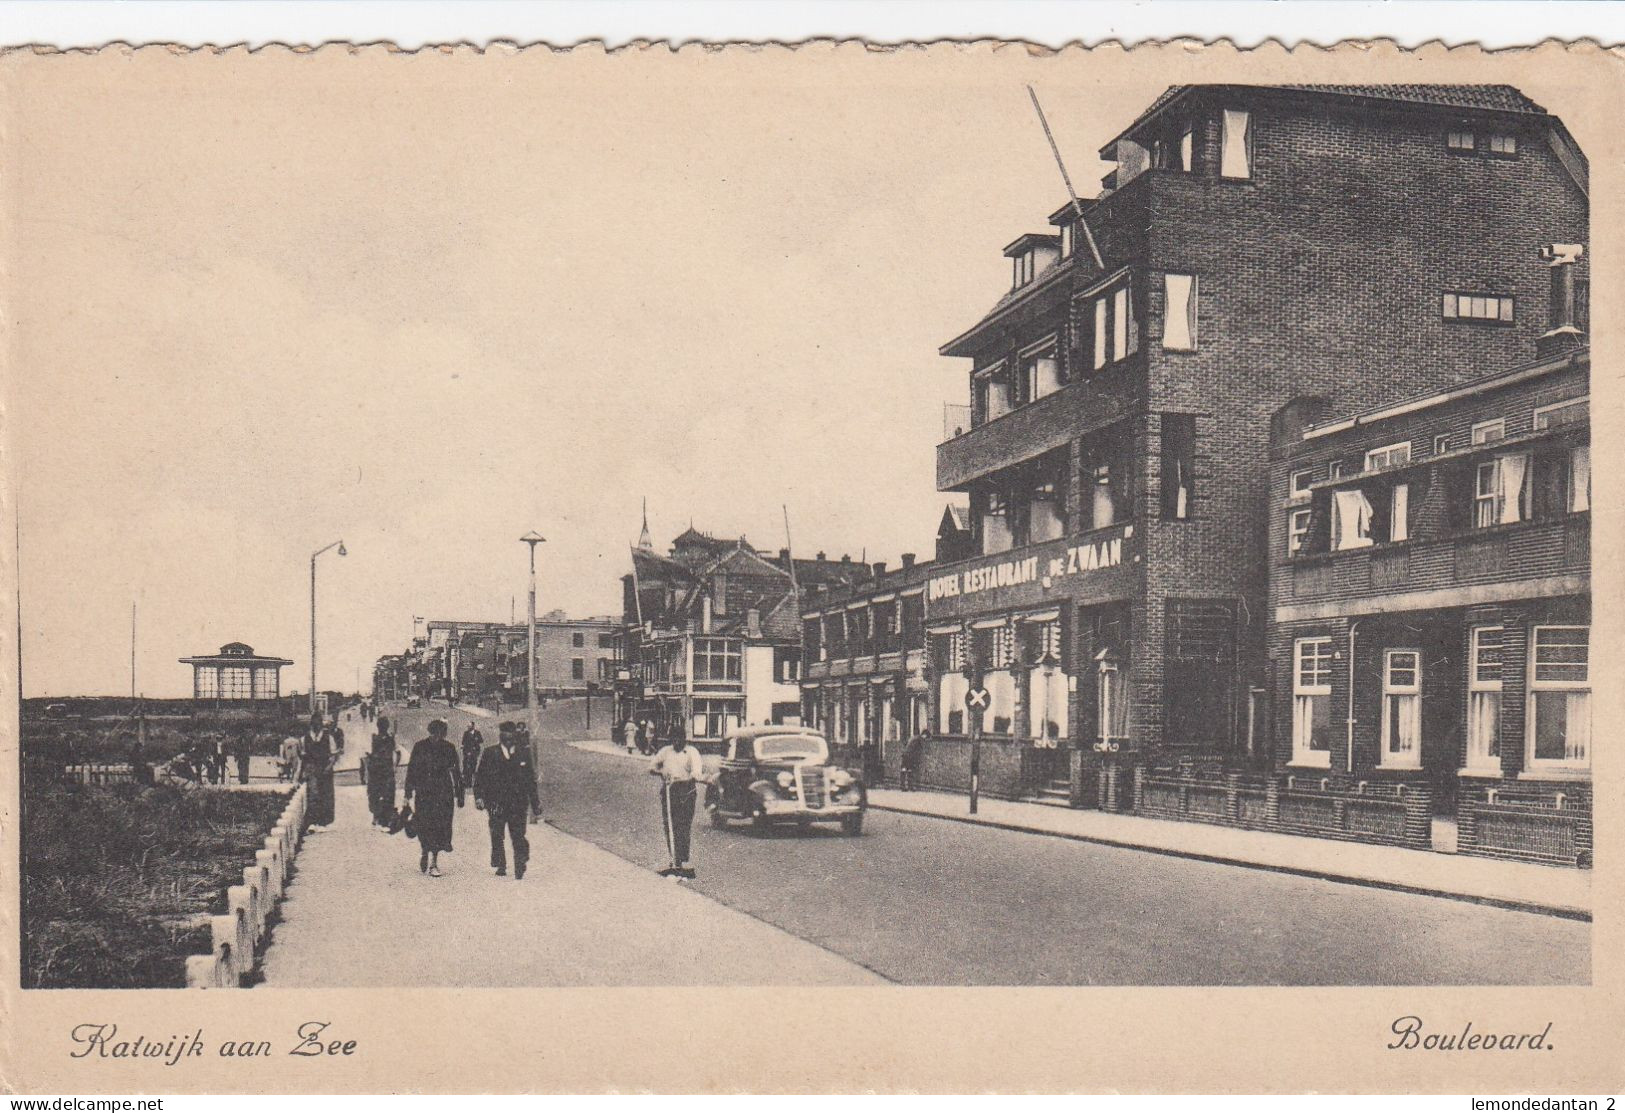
{"x": 821, "y": 554}
{"x": 705, "y": 615}
{"x": 846, "y": 558}
{"x": 753, "y": 623}
{"x": 784, "y": 555}
{"x": 880, "y": 568}
{"x": 908, "y": 560}
{"x": 1563, "y": 334}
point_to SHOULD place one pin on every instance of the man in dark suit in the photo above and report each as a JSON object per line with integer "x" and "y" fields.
{"x": 505, "y": 787}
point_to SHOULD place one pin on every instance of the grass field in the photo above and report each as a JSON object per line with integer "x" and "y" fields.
{"x": 119, "y": 880}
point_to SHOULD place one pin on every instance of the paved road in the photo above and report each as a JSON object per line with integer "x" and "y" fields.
{"x": 929, "y": 902}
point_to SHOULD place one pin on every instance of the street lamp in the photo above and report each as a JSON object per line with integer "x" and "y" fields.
{"x": 340, "y": 546}
{"x": 532, "y": 539}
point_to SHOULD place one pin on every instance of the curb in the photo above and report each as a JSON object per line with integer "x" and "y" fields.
{"x": 1565, "y": 912}
{"x": 249, "y": 906}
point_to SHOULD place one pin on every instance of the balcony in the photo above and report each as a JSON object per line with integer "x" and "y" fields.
{"x": 1033, "y": 429}
{"x": 1520, "y": 561}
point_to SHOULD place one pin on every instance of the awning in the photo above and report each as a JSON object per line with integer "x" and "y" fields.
{"x": 944, "y": 628}
{"x": 1041, "y": 616}
{"x": 987, "y": 623}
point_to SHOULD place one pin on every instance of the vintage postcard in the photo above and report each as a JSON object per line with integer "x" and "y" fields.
{"x": 955, "y": 567}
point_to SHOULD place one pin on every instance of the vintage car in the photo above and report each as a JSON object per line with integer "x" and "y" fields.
{"x": 775, "y": 775}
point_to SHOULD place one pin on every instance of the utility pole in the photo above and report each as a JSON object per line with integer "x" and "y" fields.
{"x": 339, "y": 545}
{"x": 533, "y": 539}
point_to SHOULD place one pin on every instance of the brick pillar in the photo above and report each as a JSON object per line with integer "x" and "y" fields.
{"x": 1137, "y": 801}
{"x": 1272, "y": 802}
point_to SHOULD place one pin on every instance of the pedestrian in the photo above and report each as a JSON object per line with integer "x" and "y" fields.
{"x": 473, "y": 743}
{"x": 909, "y": 769}
{"x": 434, "y": 789}
{"x": 381, "y": 776}
{"x": 242, "y": 751}
{"x": 680, "y": 769}
{"x": 505, "y": 788}
{"x": 316, "y": 760}
{"x": 218, "y": 756}
{"x": 287, "y": 766}
{"x": 646, "y": 737}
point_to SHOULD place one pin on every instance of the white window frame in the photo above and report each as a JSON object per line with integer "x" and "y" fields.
{"x": 1487, "y": 432}
{"x": 1441, "y": 443}
{"x": 1303, "y": 725}
{"x": 1457, "y": 139}
{"x": 1501, "y": 144}
{"x": 1379, "y": 459}
{"x": 1102, "y": 313}
{"x": 1298, "y": 483}
{"x": 1297, "y": 535}
{"x": 1483, "y": 498}
{"x": 1478, "y": 758}
{"x": 1541, "y": 419}
{"x": 1579, "y": 479}
{"x": 1411, "y": 759}
{"x": 1536, "y": 686}
{"x": 1181, "y": 298}
{"x": 1399, "y": 513}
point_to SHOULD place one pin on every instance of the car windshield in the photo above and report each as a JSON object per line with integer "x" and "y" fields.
{"x": 782, "y": 747}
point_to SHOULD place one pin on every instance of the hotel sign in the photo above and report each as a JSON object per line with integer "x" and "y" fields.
{"x": 1056, "y": 564}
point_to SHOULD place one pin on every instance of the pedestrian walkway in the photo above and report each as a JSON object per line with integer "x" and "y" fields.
{"x": 358, "y": 913}
{"x": 1554, "y": 890}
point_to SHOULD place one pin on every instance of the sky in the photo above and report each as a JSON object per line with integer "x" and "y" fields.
{"x": 425, "y": 304}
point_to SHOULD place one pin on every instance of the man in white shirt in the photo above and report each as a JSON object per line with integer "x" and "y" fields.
{"x": 680, "y": 769}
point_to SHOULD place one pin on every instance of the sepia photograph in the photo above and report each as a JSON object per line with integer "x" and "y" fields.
{"x": 753, "y": 522}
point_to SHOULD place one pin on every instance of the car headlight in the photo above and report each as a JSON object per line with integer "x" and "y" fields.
{"x": 840, "y": 778}
{"x": 786, "y": 780}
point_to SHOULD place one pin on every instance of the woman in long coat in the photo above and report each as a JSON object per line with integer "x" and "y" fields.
{"x": 434, "y": 780}
{"x": 316, "y": 760}
{"x": 381, "y": 773}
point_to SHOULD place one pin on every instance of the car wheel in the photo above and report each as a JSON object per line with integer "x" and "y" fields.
{"x": 718, "y": 820}
{"x": 852, "y": 825}
{"x": 759, "y": 821}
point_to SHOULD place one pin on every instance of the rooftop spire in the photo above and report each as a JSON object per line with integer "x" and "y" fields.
{"x": 644, "y": 540}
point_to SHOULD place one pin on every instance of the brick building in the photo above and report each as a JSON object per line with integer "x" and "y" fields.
{"x": 863, "y": 672}
{"x": 711, "y": 634}
{"x": 1255, "y": 244}
{"x": 1433, "y": 558}
{"x": 479, "y": 660}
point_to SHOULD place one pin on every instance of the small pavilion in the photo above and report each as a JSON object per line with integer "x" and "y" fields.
{"x": 236, "y": 675}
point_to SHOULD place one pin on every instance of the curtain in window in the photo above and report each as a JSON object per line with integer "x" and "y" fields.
{"x": 1399, "y": 520}
{"x": 1404, "y": 722}
{"x": 1234, "y": 161}
{"x": 1509, "y": 487}
{"x": 1178, "y": 319}
{"x": 951, "y": 690}
{"x": 1001, "y": 689}
{"x": 1046, "y": 702}
{"x": 1113, "y": 703}
{"x": 1483, "y": 728}
{"x": 1580, "y": 478}
{"x": 1351, "y": 520}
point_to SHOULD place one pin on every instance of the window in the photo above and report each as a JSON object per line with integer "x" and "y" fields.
{"x": 1399, "y": 513}
{"x": 576, "y": 640}
{"x": 1335, "y": 470}
{"x": 1178, "y": 465}
{"x": 1579, "y": 478}
{"x": 1300, "y": 481}
{"x": 1046, "y": 681}
{"x": 714, "y": 718}
{"x": 578, "y": 669}
{"x": 1486, "y": 431}
{"x": 1022, "y": 269}
{"x": 1501, "y": 493}
{"x": 606, "y": 641}
{"x": 1312, "y": 701}
{"x": 1504, "y": 145}
{"x": 1187, "y": 149}
{"x": 1459, "y": 140}
{"x": 716, "y": 659}
{"x": 1389, "y": 456}
{"x": 1179, "y": 313}
{"x": 1559, "y": 718}
{"x": 1402, "y": 708}
{"x": 913, "y": 620}
{"x": 1297, "y": 531}
{"x": 1122, "y": 323}
{"x": 992, "y": 393}
{"x": 1477, "y": 307}
{"x": 1236, "y": 155}
{"x": 1575, "y": 411}
{"x": 1040, "y": 374}
{"x": 996, "y": 535}
{"x": 1044, "y": 517}
{"x": 1113, "y": 333}
{"x": 1441, "y": 444}
{"x": 1352, "y": 516}
{"x": 786, "y": 664}
{"x": 1484, "y": 699}
{"x": 1101, "y": 332}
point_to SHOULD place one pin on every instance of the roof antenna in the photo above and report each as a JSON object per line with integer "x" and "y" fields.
{"x": 1077, "y": 206}
{"x": 789, "y": 550}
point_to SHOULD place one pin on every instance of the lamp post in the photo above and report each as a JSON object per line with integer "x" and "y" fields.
{"x": 340, "y": 546}
{"x": 532, "y": 539}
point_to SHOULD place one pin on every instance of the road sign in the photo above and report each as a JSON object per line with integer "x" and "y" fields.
{"x": 976, "y": 699}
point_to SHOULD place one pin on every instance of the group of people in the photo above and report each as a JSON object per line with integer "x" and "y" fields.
{"x": 208, "y": 760}
{"x": 638, "y": 734}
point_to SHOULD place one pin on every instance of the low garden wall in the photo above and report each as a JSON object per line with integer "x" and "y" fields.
{"x": 1521, "y": 822}
{"x": 1383, "y": 812}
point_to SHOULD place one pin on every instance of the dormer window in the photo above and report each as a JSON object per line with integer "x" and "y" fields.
{"x": 1030, "y": 256}
{"x": 1024, "y": 266}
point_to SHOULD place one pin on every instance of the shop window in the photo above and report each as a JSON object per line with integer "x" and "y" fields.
{"x": 1501, "y": 491}
{"x": 1484, "y": 699}
{"x": 951, "y": 689}
{"x": 1297, "y": 531}
{"x": 1046, "y": 680}
{"x": 1236, "y": 154}
{"x": 1402, "y": 708}
{"x": 1493, "y": 308}
{"x": 1312, "y": 702}
{"x": 714, "y": 718}
{"x": 1179, "y": 312}
{"x": 1178, "y": 465}
{"x": 1559, "y": 716}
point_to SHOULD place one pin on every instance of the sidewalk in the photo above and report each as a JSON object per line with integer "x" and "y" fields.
{"x": 1548, "y": 889}
{"x": 358, "y": 913}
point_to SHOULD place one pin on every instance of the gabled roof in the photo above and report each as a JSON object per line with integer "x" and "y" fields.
{"x": 954, "y": 517}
